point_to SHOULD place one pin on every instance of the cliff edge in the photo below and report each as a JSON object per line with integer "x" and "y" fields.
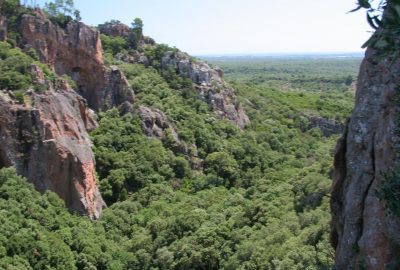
{"x": 365, "y": 232}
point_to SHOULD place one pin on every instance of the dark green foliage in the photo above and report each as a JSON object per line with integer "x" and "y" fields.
{"x": 389, "y": 189}
{"x": 113, "y": 45}
{"x": 219, "y": 198}
{"x": 221, "y": 164}
{"x": 15, "y": 66}
{"x": 39, "y": 233}
{"x": 62, "y": 11}
{"x": 137, "y": 27}
{"x": 389, "y": 192}
{"x": 155, "y": 53}
{"x": 385, "y": 38}
{"x": 126, "y": 159}
{"x": 8, "y": 7}
{"x": 260, "y": 200}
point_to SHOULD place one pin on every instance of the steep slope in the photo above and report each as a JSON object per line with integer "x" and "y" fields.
{"x": 364, "y": 227}
{"x": 207, "y": 81}
{"x": 58, "y": 153}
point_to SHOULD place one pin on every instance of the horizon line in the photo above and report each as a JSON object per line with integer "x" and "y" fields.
{"x": 279, "y": 53}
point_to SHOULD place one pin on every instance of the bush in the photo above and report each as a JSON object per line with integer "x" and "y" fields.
{"x": 389, "y": 192}
{"x": 14, "y": 68}
{"x": 113, "y": 45}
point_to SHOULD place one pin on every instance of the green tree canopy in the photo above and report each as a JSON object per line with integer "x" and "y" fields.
{"x": 63, "y": 10}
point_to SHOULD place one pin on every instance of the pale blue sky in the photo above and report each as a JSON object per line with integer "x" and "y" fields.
{"x": 239, "y": 26}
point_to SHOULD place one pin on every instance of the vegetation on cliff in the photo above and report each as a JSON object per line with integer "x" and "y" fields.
{"x": 204, "y": 194}
{"x": 259, "y": 202}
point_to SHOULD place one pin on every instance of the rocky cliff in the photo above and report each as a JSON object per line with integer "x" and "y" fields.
{"x": 76, "y": 51}
{"x": 46, "y": 135}
{"x": 365, "y": 232}
{"x": 208, "y": 81}
{"x": 46, "y": 140}
{"x": 209, "y": 85}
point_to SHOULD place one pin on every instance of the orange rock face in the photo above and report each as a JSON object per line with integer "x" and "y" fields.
{"x": 75, "y": 50}
{"x": 49, "y": 144}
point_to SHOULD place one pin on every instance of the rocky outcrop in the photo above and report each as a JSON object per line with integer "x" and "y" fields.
{"x": 76, "y": 51}
{"x": 117, "y": 89}
{"x": 156, "y": 124}
{"x": 365, "y": 233}
{"x": 208, "y": 81}
{"x": 328, "y": 127}
{"x": 133, "y": 57}
{"x": 3, "y": 28}
{"x": 47, "y": 141}
{"x": 209, "y": 85}
{"x": 115, "y": 29}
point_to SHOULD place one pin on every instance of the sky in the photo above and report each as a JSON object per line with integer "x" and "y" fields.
{"x": 221, "y": 27}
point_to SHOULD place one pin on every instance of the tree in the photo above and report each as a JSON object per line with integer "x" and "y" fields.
{"x": 382, "y": 16}
{"x": 222, "y": 165}
{"x": 62, "y": 10}
{"x": 137, "y": 25}
{"x": 137, "y": 32}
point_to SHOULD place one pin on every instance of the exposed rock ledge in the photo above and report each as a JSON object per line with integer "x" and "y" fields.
{"x": 328, "y": 127}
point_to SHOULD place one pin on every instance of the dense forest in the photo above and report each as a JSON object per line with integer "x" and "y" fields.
{"x": 206, "y": 194}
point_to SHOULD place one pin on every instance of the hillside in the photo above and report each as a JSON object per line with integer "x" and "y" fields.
{"x": 175, "y": 166}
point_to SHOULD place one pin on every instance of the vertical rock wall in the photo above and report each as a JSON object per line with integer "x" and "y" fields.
{"x": 365, "y": 234}
{"x": 76, "y": 50}
{"x": 49, "y": 144}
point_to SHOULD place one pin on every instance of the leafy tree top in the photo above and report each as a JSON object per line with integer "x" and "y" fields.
{"x": 62, "y": 8}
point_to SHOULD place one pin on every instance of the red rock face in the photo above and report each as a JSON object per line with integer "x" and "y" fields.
{"x": 76, "y": 51}
{"x": 364, "y": 233}
{"x": 49, "y": 144}
{"x": 48, "y": 141}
